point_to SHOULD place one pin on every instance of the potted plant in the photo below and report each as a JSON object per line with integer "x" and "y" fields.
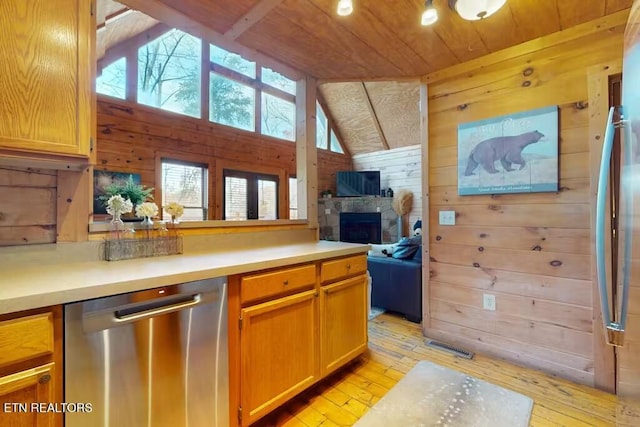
{"x": 136, "y": 193}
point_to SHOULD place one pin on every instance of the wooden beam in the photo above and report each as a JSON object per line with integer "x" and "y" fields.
{"x": 306, "y": 152}
{"x": 163, "y": 13}
{"x": 536, "y": 45}
{"x": 374, "y": 116}
{"x": 122, "y": 13}
{"x": 121, "y": 49}
{"x": 426, "y": 250}
{"x": 254, "y": 15}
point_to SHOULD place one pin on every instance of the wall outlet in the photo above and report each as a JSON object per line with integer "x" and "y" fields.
{"x": 447, "y": 218}
{"x": 378, "y": 209}
{"x": 489, "y": 302}
{"x": 327, "y": 211}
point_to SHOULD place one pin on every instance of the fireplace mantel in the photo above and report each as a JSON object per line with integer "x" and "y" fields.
{"x": 329, "y": 215}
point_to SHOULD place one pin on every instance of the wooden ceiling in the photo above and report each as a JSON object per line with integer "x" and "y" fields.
{"x": 382, "y": 40}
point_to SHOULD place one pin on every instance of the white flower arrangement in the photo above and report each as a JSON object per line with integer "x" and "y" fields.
{"x": 176, "y": 210}
{"x": 148, "y": 209}
{"x": 117, "y": 205}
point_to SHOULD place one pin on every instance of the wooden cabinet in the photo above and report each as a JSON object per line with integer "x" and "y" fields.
{"x": 23, "y": 393}
{"x": 31, "y": 368}
{"x": 295, "y": 326}
{"x": 46, "y": 77}
{"x": 343, "y": 322}
{"x": 279, "y": 351}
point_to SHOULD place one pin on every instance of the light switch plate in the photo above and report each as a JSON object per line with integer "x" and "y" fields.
{"x": 447, "y": 218}
{"x": 489, "y": 302}
{"x": 327, "y": 211}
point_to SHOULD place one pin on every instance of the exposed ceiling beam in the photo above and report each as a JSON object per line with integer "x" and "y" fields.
{"x": 163, "y": 13}
{"x": 122, "y": 13}
{"x": 374, "y": 116}
{"x": 254, "y": 15}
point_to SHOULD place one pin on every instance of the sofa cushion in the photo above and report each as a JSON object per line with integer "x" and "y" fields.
{"x": 407, "y": 247}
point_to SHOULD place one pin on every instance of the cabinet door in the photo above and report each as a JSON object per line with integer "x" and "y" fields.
{"x": 19, "y": 391}
{"x": 343, "y": 317}
{"x": 279, "y": 347}
{"x": 45, "y": 76}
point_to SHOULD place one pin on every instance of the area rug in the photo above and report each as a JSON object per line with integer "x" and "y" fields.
{"x": 375, "y": 312}
{"x": 432, "y": 395}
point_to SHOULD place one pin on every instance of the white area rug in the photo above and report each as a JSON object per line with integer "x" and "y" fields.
{"x": 375, "y": 312}
{"x": 432, "y": 395}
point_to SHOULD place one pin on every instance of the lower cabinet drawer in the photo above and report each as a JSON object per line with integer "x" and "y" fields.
{"x": 25, "y": 338}
{"x": 265, "y": 285}
{"x": 341, "y": 268}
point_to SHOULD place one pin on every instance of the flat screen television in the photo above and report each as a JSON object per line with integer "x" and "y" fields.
{"x": 357, "y": 183}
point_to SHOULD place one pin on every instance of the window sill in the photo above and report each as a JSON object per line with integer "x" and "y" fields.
{"x": 101, "y": 227}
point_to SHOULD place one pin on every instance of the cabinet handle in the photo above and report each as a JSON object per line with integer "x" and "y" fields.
{"x": 44, "y": 379}
{"x": 348, "y": 266}
{"x": 326, "y": 291}
{"x": 286, "y": 282}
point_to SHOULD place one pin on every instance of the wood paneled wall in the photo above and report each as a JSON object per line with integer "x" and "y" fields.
{"x": 130, "y": 137}
{"x": 27, "y": 206}
{"x": 532, "y": 251}
{"x": 400, "y": 169}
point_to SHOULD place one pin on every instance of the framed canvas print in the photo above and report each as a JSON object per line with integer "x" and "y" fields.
{"x": 102, "y": 179}
{"x": 515, "y": 153}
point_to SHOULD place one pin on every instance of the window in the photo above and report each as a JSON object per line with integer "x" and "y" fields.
{"x": 113, "y": 80}
{"x": 231, "y": 103}
{"x": 169, "y": 73}
{"x": 326, "y": 138}
{"x": 335, "y": 144}
{"x": 293, "y": 198}
{"x": 278, "y": 117}
{"x": 249, "y": 195}
{"x": 185, "y": 183}
{"x": 321, "y": 127}
{"x": 232, "y": 61}
{"x": 278, "y": 81}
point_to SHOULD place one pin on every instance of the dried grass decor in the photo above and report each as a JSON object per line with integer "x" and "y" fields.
{"x": 403, "y": 202}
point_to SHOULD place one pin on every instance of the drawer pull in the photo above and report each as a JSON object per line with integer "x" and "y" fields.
{"x": 44, "y": 379}
{"x": 348, "y": 266}
{"x": 286, "y": 282}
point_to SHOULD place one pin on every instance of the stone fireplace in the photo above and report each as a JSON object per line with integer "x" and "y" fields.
{"x": 329, "y": 211}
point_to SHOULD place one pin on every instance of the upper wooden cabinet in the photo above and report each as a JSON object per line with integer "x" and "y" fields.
{"x": 46, "y": 79}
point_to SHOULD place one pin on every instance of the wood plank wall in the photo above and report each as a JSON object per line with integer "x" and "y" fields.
{"x": 27, "y": 206}
{"x": 400, "y": 169}
{"x": 130, "y": 136}
{"x": 532, "y": 251}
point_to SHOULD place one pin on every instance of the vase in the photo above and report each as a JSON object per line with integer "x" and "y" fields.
{"x": 117, "y": 226}
{"x": 147, "y": 223}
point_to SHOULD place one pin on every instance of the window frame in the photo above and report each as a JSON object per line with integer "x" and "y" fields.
{"x": 188, "y": 160}
{"x": 282, "y": 195}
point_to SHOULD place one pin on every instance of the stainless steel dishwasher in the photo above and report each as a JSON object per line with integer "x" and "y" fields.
{"x": 153, "y": 358}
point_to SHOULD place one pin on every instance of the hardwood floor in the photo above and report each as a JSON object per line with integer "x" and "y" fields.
{"x": 395, "y": 345}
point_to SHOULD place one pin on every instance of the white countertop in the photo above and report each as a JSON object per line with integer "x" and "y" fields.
{"x": 23, "y": 288}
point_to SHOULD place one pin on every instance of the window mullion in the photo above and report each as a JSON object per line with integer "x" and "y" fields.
{"x": 204, "y": 82}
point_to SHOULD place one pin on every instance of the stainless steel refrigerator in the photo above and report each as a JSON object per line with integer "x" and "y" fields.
{"x": 618, "y": 224}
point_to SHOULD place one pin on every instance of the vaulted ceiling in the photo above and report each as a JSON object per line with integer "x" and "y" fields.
{"x": 380, "y": 41}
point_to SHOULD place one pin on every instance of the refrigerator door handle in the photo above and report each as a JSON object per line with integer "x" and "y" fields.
{"x": 615, "y": 330}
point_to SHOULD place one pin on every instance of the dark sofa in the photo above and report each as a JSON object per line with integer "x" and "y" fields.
{"x": 396, "y": 284}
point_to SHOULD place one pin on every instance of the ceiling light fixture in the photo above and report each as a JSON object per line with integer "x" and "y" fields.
{"x": 472, "y": 10}
{"x": 430, "y": 14}
{"x": 345, "y": 7}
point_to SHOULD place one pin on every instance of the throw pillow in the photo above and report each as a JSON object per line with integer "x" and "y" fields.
{"x": 381, "y": 250}
{"x": 407, "y": 247}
